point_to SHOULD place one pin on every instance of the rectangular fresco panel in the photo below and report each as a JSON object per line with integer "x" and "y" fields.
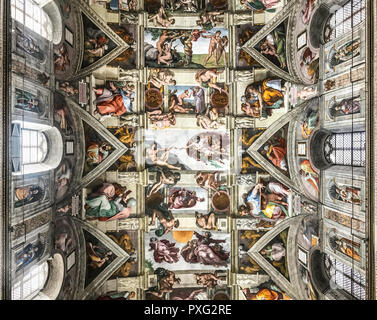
{"x": 186, "y": 48}
{"x": 196, "y": 150}
{"x": 188, "y": 250}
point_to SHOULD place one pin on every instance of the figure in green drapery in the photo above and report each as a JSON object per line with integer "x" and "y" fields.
{"x": 274, "y": 45}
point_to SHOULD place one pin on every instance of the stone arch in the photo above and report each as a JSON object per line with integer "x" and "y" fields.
{"x": 55, "y": 149}
{"x": 321, "y": 280}
{"x": 53, "y": 11}
{"x": 55, "y": 279}
{"x": 317, "y": 26}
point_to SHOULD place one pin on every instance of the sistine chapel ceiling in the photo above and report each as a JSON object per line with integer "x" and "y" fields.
{"x": 187, "y": 150}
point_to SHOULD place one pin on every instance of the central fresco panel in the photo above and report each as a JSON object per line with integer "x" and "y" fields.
{"x": 192, "y": 157}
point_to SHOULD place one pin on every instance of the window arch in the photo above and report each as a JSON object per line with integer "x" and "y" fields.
{"x": 33, "y": 17}
{"x": 345, "y": 19}
{"x": 346, "y": 149}
{"x": 31, "y": 145}
{"x": 31, "y": 283}
{"x": 34, "y": 146}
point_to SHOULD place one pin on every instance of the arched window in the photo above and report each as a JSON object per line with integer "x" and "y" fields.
{"x": 346, "y": 278}
{"x": 346, "y": 149}
{"x": 345, "y": 19}
{"x": 32, "y": 143}
{"x": 31, "y": 283}
{"x": 32, "y": 16}
{"x": 34, "y": 146}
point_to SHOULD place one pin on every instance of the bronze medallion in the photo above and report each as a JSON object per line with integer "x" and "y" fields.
{"x": 220, "y": 100}
{"x": 153, "y": 99}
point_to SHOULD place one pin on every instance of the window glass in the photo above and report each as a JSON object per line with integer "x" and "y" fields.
{"x": 31, "y": 283}
{"x": 348, "y": 279}
{"x": 346, "y": 18}
{"x": 32, "y": 16}
{"x": 347, "y": 149}
{"x": 34, "y": 146}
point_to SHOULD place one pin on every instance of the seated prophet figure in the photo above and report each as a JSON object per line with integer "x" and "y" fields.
{"x": 115, "y": 101}
{"x": 260, "y": 99}
{"x": 260, "y": 206}
{"x": 105, "y": 209}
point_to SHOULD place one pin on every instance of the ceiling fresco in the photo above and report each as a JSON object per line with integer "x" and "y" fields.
{"x": 199, "y": 146}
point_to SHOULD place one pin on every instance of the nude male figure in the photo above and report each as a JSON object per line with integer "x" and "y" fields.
{"x": 220, "y": 51}
{"x": 207, "y": 19}
{"x": 161, "y": 78}
{"x": 204, "y": 77}
{"x": 161, "y": 18}
{"x": 212, "y": 48}
{"x": 161, "y": 161}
